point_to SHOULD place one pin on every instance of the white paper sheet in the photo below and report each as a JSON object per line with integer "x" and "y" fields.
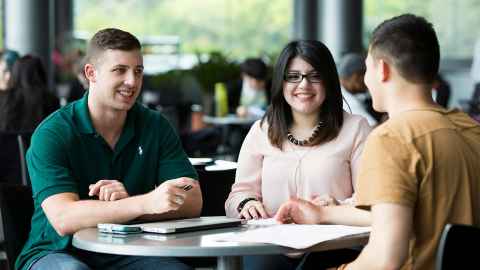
{"x": 295, "y": 235}
{"x": 263, "y": 222}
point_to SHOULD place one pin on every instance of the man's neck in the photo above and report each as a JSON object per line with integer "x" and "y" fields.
{"x": 107, "y": 122}
{"x": 408, "y": 97}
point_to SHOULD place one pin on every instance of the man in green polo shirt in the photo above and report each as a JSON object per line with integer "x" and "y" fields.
{"x": 105, "y": 159}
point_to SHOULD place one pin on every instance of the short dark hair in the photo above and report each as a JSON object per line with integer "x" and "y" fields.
{"x": 255, "y": 67}
{"x": 111, "y": 39}
{"x": 409, "y": 43}
{"x": 279, "y": 114}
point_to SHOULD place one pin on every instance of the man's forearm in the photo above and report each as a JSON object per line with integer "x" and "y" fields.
{"x": 75, "y": 215}
{"x": 345, "y": 215}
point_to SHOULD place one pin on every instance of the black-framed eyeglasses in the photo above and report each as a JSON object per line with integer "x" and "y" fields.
{"x": 296, "y": 77}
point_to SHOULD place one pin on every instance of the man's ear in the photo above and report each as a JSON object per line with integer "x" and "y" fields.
{"x": 90, "y": 73}
{"x": 384, "y": 70}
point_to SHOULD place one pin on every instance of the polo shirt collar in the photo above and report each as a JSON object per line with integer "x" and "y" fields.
{"x": 128, "y": 131}
{"x": 84, "y": 122}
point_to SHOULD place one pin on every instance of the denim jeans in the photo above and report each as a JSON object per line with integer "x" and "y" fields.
{"x": 84, "y": 260}
{"x": 309, "y": 261}
{"x": 266, "y": 262}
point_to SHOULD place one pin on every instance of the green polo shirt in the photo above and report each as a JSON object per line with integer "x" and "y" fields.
{"x": 67, "y": 155}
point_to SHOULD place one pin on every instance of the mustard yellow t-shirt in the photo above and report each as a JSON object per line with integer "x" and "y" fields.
{"x": 429, "y": 160}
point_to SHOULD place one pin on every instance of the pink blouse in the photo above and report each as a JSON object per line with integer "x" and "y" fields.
{"x": 273, "y": 176}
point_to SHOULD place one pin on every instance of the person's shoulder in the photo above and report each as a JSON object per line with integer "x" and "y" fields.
{"x": 58, "y": 126}
{"x": 261, "y": 126}
{"x": 353, "y": 118}
{"x": 59, "y": 119}
{"x": 461, "y": 120}
{"x": 410, "y": 125}
{"x": 152, "y": 123}
{"x": 147, "y": 117}
{"x": 355, "y": 121}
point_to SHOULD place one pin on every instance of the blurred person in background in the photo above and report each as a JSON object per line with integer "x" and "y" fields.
{"x": 351, "y": 71}
{"x": 7, "y": 59}
{"x": 79, "y": 83}
{"x": 441, "y": 91}
{"x": 249, "y": 96}
{"x": 27, "y": 101}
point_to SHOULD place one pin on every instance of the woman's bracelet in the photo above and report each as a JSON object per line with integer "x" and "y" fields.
{"x": 242, "y": 203}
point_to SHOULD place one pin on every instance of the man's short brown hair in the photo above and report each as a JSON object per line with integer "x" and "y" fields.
{"x": 111, "y": 39}
{"x": 411, "y": 45}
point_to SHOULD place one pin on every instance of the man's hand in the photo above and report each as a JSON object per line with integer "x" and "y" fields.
{"x": 169, "y": 196}
{"x": 108, "y": 190}
{"x": 253, "y": 210}
{"x": 299, "y": 211}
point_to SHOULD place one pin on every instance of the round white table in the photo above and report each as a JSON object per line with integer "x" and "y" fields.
{"x": 194, "y": 244}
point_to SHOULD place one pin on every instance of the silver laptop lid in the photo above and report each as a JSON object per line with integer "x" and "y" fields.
{"x": 191, "y": 224}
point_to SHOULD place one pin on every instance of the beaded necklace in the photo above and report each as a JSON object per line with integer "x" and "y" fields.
{"x": 307, "y": 140}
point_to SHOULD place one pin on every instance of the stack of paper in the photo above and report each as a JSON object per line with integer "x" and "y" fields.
{"x": 293, "y": 235}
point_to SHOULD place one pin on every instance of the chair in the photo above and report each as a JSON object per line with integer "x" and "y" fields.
{"x": 13, "y": 168}
{"x": 216, "y": 186}
{"x": 454, "y": 252}
{"x": 16, "y": 205}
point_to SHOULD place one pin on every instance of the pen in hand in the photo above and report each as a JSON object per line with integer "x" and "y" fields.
{"x": 187, "y": 187}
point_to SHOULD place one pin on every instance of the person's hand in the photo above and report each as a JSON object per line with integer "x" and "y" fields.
{"x": 298, "y": 211}
{"x": 169, "y": 196}
{"x": 108, "y": 190}
{"x": 324, "y": 200}
{"x": 242, "y": 111}
{"x": 253, "y": 210}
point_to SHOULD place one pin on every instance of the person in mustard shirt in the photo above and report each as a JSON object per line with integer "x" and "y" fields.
{"x": 419, "y": 169}
{"x": 105, "y": 159}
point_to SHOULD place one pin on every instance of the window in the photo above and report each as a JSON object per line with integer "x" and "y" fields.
{"x": 236, "y": 28}
{"x": 456, "y": 22}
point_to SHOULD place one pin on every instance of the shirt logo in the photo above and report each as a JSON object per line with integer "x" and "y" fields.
{"x": 140, "y": 151}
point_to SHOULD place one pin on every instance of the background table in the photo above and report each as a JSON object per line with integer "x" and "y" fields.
{"x": 229, "y": 120}
{"x": 195, "y": 244}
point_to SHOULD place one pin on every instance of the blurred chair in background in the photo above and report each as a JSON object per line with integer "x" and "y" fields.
{"x": 215, "y": 185}
{"x": 13, "y": 167}
{"x": 16, "y": 205}
{"x": 453, "y": 252}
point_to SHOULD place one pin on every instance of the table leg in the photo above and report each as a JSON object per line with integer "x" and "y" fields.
{"x": 229, "y": 263}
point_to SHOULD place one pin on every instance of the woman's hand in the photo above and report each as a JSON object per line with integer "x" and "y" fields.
{"x": 324, "y": 200}
{"x": 253, "y": 210}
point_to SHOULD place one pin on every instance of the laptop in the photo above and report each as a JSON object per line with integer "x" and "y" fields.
{"x": 191, "y": 224}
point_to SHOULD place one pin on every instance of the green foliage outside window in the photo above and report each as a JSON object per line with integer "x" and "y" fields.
{"x": 246, "y": 28}
{"x": 456, "y": 21}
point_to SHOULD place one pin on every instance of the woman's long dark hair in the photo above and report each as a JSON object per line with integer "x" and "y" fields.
{"x": 27, "y": 100}
{"x": 279, "y": 114}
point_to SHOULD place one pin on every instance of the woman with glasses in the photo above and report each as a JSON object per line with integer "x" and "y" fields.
{"x": 304, "y": 147}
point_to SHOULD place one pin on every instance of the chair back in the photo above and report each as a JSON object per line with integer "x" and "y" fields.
{"x": 13, "y": 168}
{"x": 16, "y": 205}
{"x": 456, "y": 248}
{"x": 216, "y": 186}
